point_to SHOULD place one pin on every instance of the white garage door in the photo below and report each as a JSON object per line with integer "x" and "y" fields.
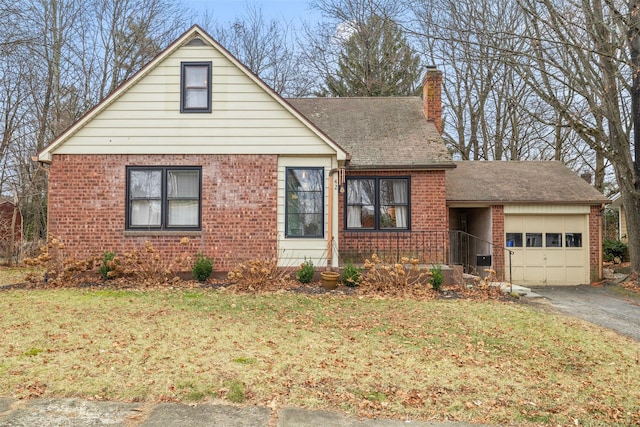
{"x": 548, "y": 249}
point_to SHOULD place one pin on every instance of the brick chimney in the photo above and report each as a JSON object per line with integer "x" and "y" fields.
{"x": 432, "y": 96}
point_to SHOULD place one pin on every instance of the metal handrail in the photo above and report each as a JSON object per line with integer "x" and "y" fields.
{"x": 430, "y": 246}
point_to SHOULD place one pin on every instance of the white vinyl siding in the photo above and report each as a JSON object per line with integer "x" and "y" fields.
{"x": 146, "y": 119}
{"x": 293, "y": 251}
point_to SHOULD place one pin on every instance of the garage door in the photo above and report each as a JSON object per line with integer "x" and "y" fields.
{"x": 548, "y": 249}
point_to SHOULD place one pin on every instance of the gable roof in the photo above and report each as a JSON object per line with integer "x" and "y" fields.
{"x": 194, "y": 32}
{"x": 549, "y": 182}
{"x": 379, "y": 132}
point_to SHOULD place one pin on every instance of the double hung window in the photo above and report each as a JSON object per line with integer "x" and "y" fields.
{"x": 195, "y": 87}
{"x": 163, "y": 198}
{"x": 378, "y": 204}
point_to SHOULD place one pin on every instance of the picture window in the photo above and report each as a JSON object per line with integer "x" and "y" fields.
{"x": 304, "y": 202}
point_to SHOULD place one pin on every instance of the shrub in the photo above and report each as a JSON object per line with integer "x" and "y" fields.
{"x": 615, "y": 249}
{"x": 306, "y": 271}
{"x": 60, "y": 270}
{"x": 105, "y": 268}
{"x": 437, "y": 278}
{"x": 351, "y": 275}
{"x": 394, "y": 279}
{"x": 259, "y": 275}
{"x": 202, "y": 267}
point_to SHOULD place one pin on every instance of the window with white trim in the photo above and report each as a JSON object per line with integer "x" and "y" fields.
{"x": 164, "y": 198}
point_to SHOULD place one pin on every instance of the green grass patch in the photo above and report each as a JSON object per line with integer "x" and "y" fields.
{"x": 33, "y": 351}
{"x": 245, "y": 360}
{"x": 486, "y": 362}
{"x": 235, "y": 391}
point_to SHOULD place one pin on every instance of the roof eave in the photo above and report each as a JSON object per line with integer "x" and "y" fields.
{"x": 382, "y": 168}
{"x": 530, "y": 202}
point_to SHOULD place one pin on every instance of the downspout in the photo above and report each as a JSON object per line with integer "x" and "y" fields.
{"x": 341, "y": 175}
{"x": 330, "y": 222}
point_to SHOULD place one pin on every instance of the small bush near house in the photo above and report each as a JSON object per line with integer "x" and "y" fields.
{"x": 615, "y": 249}
{"x": 59, "y": 269}
{"x": 437, "y": 278}
{"x": 259, "y": 275}
{"x": 105, "y": 268}
{"x": 351, "y": 275}
{"x": 306, "y": 271}
{"x": 395, "y": 278}
{"x": 202, "y": 267}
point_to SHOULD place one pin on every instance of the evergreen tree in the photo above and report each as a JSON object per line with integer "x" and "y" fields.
{"x": 376, "y": 60}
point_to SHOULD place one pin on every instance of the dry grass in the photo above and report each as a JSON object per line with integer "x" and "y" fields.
{"x": 13, "y": 275}
{"x": 484, "y": 362}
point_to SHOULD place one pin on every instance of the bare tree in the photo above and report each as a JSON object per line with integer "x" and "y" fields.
{"x": 268, "y": 49}
{"x": 577, "y": 62}
{"x": 59, "y": 58}
{"x": 490, "y": 113}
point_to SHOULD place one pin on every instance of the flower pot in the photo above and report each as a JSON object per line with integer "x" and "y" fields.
{"x": 329, "y": 279}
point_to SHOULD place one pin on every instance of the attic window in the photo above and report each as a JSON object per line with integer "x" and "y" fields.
{"x": 195, "y": 87}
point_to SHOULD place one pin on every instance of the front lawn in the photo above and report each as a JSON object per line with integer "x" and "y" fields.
{"x": 479, "y": 361}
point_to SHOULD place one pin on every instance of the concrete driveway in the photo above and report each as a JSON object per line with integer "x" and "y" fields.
{"x": 605, "y": 306}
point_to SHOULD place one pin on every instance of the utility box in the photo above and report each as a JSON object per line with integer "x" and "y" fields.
{"x": 483, "y": 260}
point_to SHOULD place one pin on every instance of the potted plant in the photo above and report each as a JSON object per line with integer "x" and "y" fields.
{"x": 329, "y": 279}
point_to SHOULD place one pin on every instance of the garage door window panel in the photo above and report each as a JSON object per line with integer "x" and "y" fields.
{"x": 573, "y": 240}
{"x": 553, "y": 240}
{"x": 514, "y": 240}
{"x": 534, "y": 240}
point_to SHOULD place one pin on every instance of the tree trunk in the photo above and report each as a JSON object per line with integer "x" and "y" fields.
{"x": 12, "y": 234}
{"x": 632, "y": 201}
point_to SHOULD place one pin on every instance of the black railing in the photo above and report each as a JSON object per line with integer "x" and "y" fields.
{"x": 430, "y": 247}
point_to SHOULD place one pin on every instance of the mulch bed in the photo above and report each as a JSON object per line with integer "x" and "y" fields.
{"x": 414, "y": 292}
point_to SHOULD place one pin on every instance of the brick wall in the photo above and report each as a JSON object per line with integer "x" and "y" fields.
{"x": 432, "y": 97}
{"x": 87, "y": 206}
{"x": 497, "y": 237}
{"x": 428, "y": 237}
{"x": 595, "y": 243}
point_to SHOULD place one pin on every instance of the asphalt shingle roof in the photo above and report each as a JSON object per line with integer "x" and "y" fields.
{"x": 378, "y": 132}
{"x": 518, "y": 182}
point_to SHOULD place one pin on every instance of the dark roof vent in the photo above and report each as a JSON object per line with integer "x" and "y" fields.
{"x": 196, "y": 41}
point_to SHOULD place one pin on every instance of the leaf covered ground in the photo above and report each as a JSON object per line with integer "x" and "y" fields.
{"x": 492, "y": 362}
